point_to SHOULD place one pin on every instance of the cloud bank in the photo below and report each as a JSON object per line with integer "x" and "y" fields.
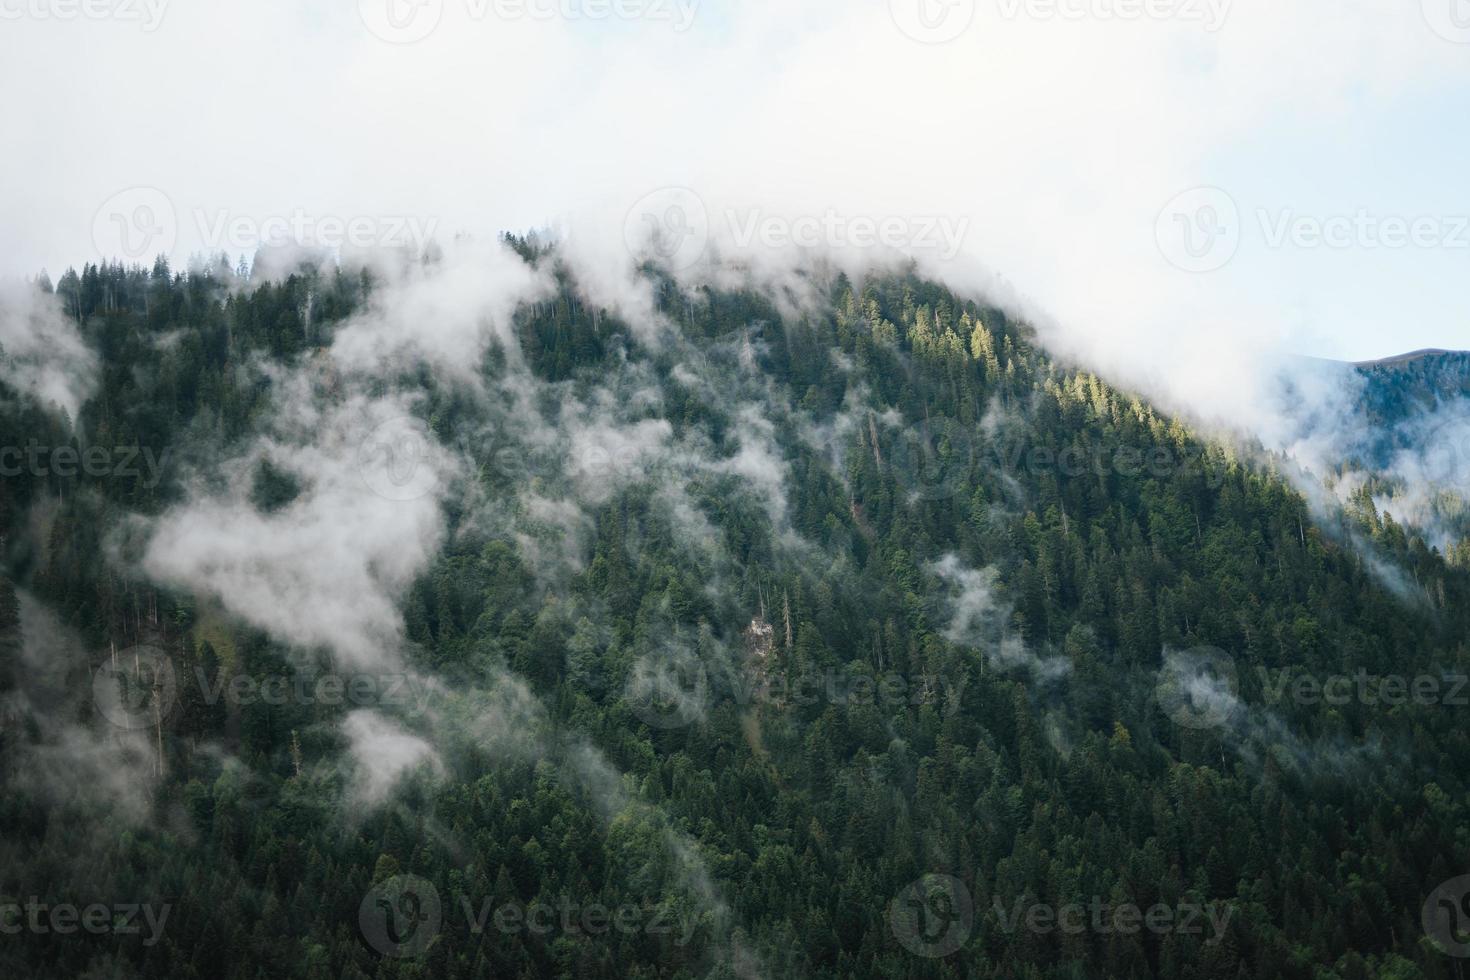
{"x": 41, "y": 351}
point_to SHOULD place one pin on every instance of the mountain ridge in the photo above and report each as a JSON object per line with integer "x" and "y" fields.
{"x": 1427, "y": 353}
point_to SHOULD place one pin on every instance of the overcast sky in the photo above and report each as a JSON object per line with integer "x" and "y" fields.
{"x": 1168, "y": 174}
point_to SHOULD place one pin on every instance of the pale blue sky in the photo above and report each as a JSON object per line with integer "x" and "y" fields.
{"x": 1406, "y": 158}
{"x": 1057, "y": 141}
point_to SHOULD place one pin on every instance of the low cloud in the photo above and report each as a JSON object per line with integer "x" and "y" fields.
{"x": 445, "y": 312}
{"x": 67, "y": 753}
{"x": 1199, "y": 689}
{"x": 383, "y": 753}
{"x": 328, "y": 568}
{"x": 41, "y": 352}
{"x": 979, "y": 619}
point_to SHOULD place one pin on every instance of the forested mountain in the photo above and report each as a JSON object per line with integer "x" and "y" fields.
{"x": 1398, "y": 388}
{"x": 1393, "y": 432}
{"x": 827, "y": 631}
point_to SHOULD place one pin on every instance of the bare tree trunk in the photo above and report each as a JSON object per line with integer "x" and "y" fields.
{"x": 786, "y": 602}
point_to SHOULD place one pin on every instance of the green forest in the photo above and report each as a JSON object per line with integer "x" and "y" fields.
{"x": 830, "y": 631}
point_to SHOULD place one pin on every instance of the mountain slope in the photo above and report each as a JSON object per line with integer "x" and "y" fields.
{"x": 1401, "y": 387}
{"x": 836, "y": 635}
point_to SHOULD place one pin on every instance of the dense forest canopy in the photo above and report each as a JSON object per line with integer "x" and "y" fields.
{"x": 834, "y": 633}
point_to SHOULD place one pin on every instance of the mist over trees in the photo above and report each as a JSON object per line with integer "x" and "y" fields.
{"x": 747, "y": 624}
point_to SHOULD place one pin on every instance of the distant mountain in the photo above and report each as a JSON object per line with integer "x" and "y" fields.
{"x": 1428, "y": 356}
{"x": 1401, "y": 425}
{"x": 1369, "y": 412}
{"x": 1409, "y": 384}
